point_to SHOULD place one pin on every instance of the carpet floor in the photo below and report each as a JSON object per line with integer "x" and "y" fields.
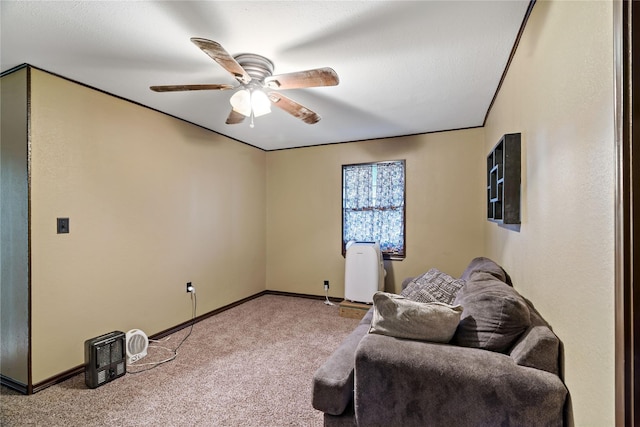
{"x": 251, "y": 365}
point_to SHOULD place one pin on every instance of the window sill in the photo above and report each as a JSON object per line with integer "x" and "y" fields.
{"x": 386, "y": 257}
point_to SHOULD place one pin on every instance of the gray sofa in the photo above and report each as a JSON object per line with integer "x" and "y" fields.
{"x": 501, "y": 368}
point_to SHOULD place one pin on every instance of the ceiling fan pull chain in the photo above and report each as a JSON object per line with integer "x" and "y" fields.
{"x": 251, "y": 124}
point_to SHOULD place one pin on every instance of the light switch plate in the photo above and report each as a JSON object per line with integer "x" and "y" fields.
{"x": 63, "y": 225}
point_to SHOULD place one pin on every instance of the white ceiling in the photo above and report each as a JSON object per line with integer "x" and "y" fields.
{"x": 405, "y": 67}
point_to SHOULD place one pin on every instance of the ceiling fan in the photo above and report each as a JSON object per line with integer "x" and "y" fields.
{"x": 256, "y": 93}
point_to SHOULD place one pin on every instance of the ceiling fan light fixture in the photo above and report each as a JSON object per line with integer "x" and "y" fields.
{"x": 246, "y": 101}
{"x": 260, "y": 103}
{"x": 241, "y": 102}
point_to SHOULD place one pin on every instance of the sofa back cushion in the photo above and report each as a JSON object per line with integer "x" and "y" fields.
{"x": 488, "y": 266}
{"x": 494, "y": 315}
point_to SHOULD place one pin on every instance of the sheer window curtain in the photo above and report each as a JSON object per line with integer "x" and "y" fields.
{"x": 373, "y": 205}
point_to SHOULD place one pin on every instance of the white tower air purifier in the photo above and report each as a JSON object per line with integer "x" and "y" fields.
{"x": 364, "y": 272}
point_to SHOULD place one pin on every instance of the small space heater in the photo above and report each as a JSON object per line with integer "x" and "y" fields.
{"x": 104, "y": 358}
{"x": 137, "y": 344}
{"x": 364, "y": 272}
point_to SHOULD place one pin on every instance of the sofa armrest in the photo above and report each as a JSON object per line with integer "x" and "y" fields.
{"x": 413, "y": 383}
{"x": 333, "y": 381}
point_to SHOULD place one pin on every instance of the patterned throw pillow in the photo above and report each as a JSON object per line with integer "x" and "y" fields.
{"x": 434, "y": 285}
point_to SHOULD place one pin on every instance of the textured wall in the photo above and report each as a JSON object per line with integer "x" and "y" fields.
{"x": 559, "y": 94}
{"x": 445, "y": 186}
{"x": 153, "y": 203}
{"x": 14, "y": 249}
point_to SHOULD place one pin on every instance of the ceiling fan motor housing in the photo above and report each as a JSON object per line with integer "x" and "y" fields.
{"x": 257, "y": 66}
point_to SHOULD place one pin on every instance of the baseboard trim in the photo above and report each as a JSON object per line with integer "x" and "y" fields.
{"x": 200, "y": 318}
{"x": 293, "y": 294}
{"x": 13, "y": 384}
{"x": 63, "y": 376}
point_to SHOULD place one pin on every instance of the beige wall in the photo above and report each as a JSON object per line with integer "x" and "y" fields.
{"x": 14, "y": 249}
{"x": 559, "y": 94}
{"x": 444, "y": 207}
{"x": 153, "y": 203}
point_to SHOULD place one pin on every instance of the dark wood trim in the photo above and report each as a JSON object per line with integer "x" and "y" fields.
{"x": 200, "y": 318}
{"x": 295, "y": 295}
{"x": 511, "y": 55}
{"x": 633, "y": 416}
{"x": 13, "y": 384}
{"x": 227, "y": 136}
{"x": 377, "y": 139}
{"x": 132, "y": 102}
{"x": 63, "y": 376}
{"x": 627, "y": 241}
{"x": 13, "y": 70}
{"x": 4, "y": 380}
{"x": 620, "y": 226}
{"x": 633, "y": 86}
{"x": 29, "y": 265}
{"x": 204, "y": 316}
{"x": 56, "y": 379}
{"x": 635, "y": 225}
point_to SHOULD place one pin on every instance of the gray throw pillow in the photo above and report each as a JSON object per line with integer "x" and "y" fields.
{"x": 494, "y": 317}
{"x": 434, "y": 285}
{"x": 399, "y": 317}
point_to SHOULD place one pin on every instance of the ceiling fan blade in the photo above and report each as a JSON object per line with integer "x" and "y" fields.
{"x": 234, "y": 118}
{"x": 309, "y": 78}
{"x": 178, "y": 88}
{"x": 293, "y": 108}
{"x": 222, "y": 57}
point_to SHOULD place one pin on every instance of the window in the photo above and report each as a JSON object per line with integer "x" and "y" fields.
{"x": 373, "y": 205}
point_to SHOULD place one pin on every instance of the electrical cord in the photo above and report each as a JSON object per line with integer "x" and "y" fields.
{"x": 326, "y": 296}
{"x": 162, "y": 340}
{"x": 194, "y": 306}
{"x": 154, "y": 364}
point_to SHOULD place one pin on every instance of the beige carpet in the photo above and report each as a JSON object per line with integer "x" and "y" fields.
{"x": 251, "y": 365}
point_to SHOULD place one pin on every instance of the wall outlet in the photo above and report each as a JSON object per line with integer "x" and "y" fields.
{"x": 326, "y": 285}
{"x": 189, "y": 287}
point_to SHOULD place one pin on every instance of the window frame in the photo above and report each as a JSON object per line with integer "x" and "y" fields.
{"x": 385, "y": 255}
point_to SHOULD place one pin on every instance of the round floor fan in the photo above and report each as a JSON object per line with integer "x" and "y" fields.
{"x": 255, "y": 91}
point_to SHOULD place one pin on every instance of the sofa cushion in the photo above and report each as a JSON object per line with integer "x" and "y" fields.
{"x": 416, "y": 383}
{"x": 488, "y": 266}
{"x": 399, "y": 317}
{"x": 494, "y": 316}
{"x": 434, "y": 285}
